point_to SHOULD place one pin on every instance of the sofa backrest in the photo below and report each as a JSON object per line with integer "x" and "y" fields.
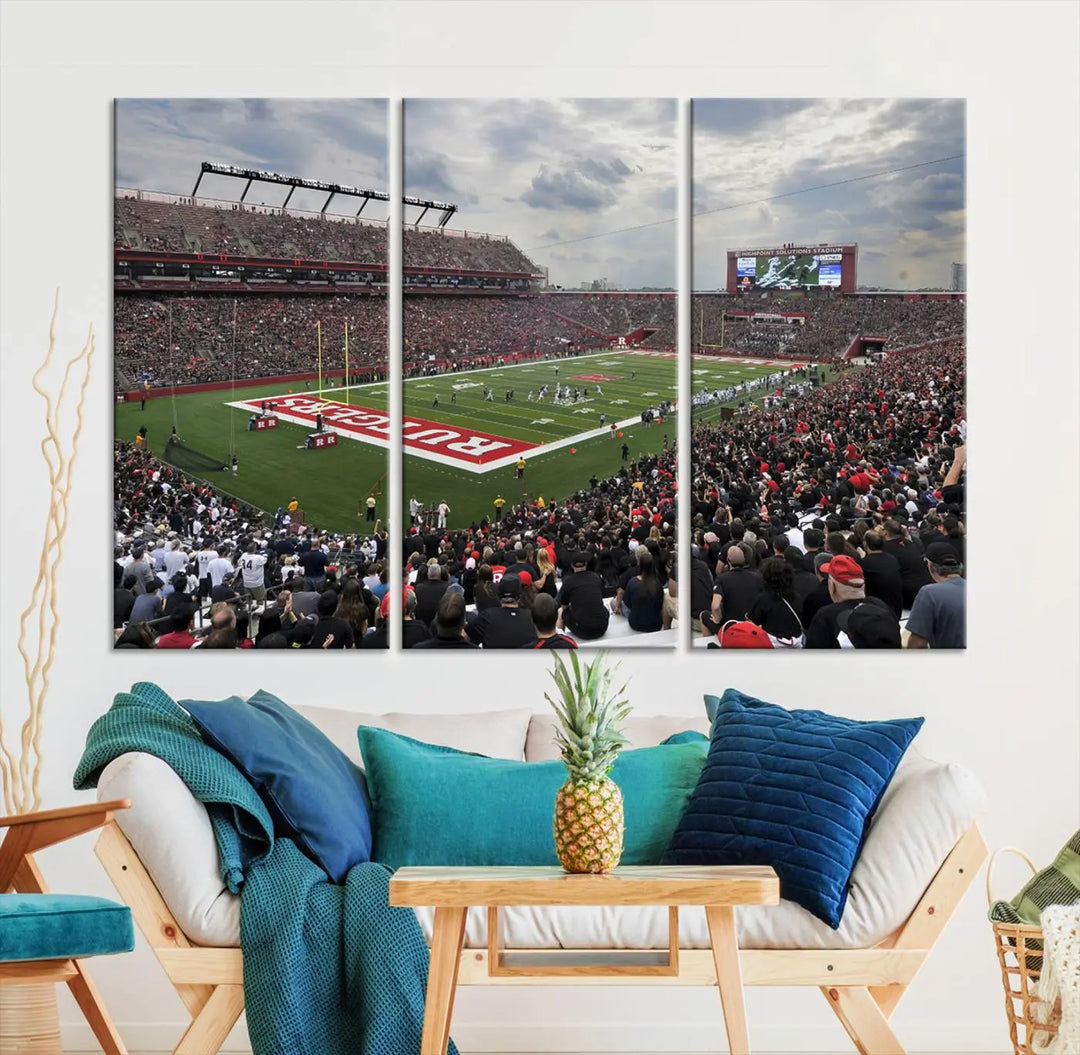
{"x": 497, "y": 734}
{"x": 641, "y": 731}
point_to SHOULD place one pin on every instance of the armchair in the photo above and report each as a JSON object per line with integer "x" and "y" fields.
{"x": 45, "y": 937}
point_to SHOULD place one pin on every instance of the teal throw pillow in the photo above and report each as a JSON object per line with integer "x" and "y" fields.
{"x": 687, "y": 736}
{"x": 437, "y": 806}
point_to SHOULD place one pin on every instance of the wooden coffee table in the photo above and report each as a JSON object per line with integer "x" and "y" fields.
{"x": 452, "y": 891}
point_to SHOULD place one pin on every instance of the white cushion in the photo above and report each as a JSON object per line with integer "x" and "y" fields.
{"x": 171, "y": 832}
{"x": 641, "y": 731}
{"x": 497, "y": 734}
{"x": 924, "y": 812}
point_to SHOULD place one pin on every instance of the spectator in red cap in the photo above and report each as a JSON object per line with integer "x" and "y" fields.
{"x": 847, "y": 588}
{"x": 742, "y": 634}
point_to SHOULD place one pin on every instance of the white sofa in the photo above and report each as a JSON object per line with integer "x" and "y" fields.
{"x": 924, "y": 813}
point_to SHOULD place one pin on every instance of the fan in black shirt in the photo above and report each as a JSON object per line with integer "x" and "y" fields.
{"x": 449, "y": 624}
{"x": 429, "y": 589}
{"x": 330, "y": 625}
{"x": 507, "y": 626}
{"x": 545, "y": 613}
{"x": 582, "y": 601}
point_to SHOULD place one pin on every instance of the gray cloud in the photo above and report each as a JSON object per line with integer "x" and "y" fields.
{"x": 428, "y": 175}
{"x": 571, "y": 188}
{"x": 718, "y": 118}
{"x": 761, "y": 165}
{"x": 160, "y": 144}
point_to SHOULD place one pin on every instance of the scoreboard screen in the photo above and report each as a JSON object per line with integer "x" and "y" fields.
{"x": 788, "y": 271}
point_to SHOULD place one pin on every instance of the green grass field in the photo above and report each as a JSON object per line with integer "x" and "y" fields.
{"x": 332, "y": 483}
{"x": 630, "y": 383}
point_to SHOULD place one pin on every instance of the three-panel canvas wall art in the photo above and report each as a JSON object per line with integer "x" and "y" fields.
{"x": 536, "y": 373}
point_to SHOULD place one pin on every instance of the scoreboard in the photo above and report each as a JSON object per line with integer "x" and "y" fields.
{"x": 793, "y": 267}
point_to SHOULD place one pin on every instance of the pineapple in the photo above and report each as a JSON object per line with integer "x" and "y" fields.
{"x": 589, "y": 807}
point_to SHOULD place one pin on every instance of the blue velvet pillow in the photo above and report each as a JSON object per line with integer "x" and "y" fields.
{"x": 315, "y": 795}
{"x": 792, "y": 789}
{"x": 434, "y": 805}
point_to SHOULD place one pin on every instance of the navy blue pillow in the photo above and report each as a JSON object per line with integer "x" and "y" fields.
{"x": 315, "y": 795}
{"x": 792, "y": 789}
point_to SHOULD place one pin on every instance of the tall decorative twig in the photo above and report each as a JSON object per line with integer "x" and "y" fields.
{"x": 40, "y": 620}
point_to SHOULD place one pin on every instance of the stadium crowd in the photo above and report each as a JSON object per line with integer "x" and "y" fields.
{"x": 454, "y": 326}
{"x": 246, "y": 231}
{"x": 832, "y": 322}
{"x": 848, "y": 496}
{"x": 548, "y": 575}
{"x": 431, "y": 247}
{"x": 615, "y": 315}
{"x": 256, "y": 231}
{"x": 274, "y": 334}
{"x": 194, "y": 568}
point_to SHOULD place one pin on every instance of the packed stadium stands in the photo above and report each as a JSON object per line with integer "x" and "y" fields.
{"x": 255, "y": 231}
{"x": 831, "y": 322}
{"x": 194, "y": 567}
{"x": 430, "y": 247}
{"x": 274, "y": 334}
{"x": 449, "y": 327}
{"x": 879, "y": 452}
{"x": 245, "y": 231}
{"x": 605, "y": 554}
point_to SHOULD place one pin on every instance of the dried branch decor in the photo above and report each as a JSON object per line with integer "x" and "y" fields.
{"x": 40, "y": 621}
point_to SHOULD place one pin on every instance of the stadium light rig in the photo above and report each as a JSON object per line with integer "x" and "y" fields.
{"x": 333, "y": 190}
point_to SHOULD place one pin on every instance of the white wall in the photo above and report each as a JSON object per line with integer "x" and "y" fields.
{"x": 1007, "y": 708}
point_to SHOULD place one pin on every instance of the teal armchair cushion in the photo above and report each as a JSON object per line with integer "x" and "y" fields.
{"x": 62, "y": 926}
{"x": 437, "y": 806}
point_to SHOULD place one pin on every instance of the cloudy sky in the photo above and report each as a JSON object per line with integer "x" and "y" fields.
{"x": 160, "y": 144}
{"x": 547, "y": 171}
{"x": 909, "y": 225}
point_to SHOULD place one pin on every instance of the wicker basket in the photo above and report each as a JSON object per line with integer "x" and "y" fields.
{"x": 1020, "y": 956}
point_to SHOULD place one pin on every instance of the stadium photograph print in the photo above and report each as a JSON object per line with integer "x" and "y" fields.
{"x": 540, "y": 373}
{"x": 250, "y": 358}
{"x": 829, "y": 360}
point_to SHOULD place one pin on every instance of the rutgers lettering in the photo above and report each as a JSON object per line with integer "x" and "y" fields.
{"x": 428, "y": 439}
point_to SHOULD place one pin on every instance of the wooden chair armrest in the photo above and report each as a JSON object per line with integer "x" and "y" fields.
{"x": 30, "y": 832}
{"x": 64, "y": 813}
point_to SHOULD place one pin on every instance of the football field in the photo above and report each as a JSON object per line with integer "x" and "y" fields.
{"x": 463, "y": 450}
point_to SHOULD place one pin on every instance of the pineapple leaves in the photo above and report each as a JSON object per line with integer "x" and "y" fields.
{"x": 588, "y": 714}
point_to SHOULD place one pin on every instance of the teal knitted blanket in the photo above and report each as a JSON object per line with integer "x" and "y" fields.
{"x": 328, "y": 969}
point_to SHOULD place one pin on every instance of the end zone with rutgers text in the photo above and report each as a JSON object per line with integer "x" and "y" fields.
{"x": 469, "y": 449}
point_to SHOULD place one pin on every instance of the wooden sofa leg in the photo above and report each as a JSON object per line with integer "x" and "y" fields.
{"x": 863, "y": 1019}
{"x": 95, "y": 1013}
{"x": 211, "y": 1025}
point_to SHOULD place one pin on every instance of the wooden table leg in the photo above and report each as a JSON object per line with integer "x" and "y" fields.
{"x": 725, "y": 950}
{"x": 446, "y": 941}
